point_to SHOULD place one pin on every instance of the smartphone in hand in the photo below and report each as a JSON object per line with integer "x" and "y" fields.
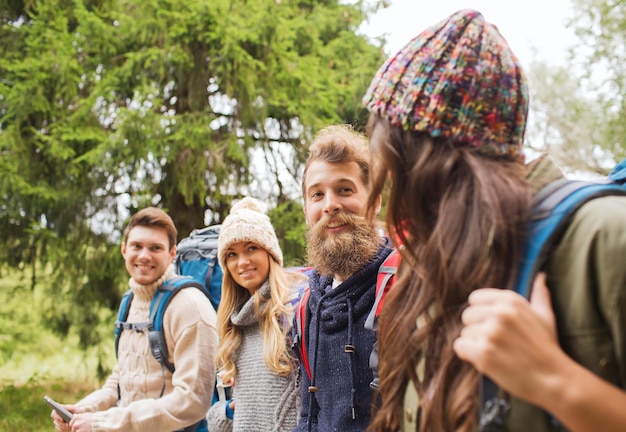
{"x": 62, "y": 412}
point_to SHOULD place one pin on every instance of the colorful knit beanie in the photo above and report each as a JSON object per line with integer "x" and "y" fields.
{"x": 458, "y": 80}
{"x": 247, "y": 223}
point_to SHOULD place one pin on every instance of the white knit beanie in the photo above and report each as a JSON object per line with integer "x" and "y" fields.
{"x": 247, "y": 223}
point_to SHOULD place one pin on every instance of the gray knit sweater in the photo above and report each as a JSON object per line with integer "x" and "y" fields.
{"x": 264, "y": 401}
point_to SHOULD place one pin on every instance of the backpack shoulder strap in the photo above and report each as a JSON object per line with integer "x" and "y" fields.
{"x": 550, "y": 216}
{"x": 122, "y": 316}
{"x": 156, "y": 336}
{"x": 302, "y": 318}
{"x": 160, "y": 301}
{"x": 384, "y": 281}
{"x": 618, "y": 175}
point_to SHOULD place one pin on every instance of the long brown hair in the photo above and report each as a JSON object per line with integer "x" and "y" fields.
{"x": 460, "y": 217}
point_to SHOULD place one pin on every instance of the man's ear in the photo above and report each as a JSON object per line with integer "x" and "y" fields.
{"x": 306, "y": 215}
{"x": 379, "y": 204}
{"x": 123, "y": 249}
{"x": 173, "y": 252}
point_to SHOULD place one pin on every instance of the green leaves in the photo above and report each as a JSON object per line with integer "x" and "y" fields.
{"x": 579, "y": 108}
{"x": 108, "y": 106}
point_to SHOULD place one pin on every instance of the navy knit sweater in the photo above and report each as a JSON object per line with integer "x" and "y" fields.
{"x": 343, "y": 400}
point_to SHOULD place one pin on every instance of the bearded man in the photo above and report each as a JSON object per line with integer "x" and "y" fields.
{"x": 346, "y": 251}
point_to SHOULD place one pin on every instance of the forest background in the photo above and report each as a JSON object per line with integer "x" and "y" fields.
{"x": 107, "y": 106}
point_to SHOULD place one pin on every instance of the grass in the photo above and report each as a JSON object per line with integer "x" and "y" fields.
{"x": 24, "y": 409}
{"x": 34, "y": 361}
{"x": 65, "y": 376}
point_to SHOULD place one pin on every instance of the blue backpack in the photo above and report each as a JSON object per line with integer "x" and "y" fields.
{"x": 196, "y": 263}
{"x": 196, "y": 256}
{"x": 551, "y": 214}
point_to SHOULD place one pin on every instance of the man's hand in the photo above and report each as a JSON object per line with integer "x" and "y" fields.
{"x": 81, "y": 422}
{"x": 59, "y": 423}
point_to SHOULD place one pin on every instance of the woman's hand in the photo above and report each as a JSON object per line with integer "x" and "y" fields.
{"x": 514, "y": 342}
{"x": 511, "y": 340}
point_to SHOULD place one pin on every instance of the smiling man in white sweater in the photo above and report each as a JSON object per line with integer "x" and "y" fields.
{"x": 140, "y": 395}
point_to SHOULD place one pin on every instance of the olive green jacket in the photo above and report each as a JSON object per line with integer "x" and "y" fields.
{"x": 587, "y": 281}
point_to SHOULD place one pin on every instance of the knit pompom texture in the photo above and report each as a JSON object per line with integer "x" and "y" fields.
{"x": 457, "y": 80}
{"x": 247, "y": 223}
{"x": 246, "y": 203}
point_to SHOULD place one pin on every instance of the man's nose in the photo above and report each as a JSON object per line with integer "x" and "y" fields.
{"x": 332, "y": 203}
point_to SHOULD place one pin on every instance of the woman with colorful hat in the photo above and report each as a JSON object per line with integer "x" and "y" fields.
{"x": 447, "y": 120}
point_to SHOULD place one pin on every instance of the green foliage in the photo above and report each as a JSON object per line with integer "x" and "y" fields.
{"x": 19, "y": 328}
{"x": 23, "y": 409}
{"x": 580, "y": 107}
{"x": 108, "y": 106}
{"x": 601, "y": 29}
{"x": 569, "y": 123}
{"x": 288, "y": 221}
{"x": 30, "y": 347}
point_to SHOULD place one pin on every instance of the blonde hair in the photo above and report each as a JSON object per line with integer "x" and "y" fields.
{"x": 274, "y": 321}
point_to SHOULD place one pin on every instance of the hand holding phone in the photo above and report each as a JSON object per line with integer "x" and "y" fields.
{"x": 62, "y": 412}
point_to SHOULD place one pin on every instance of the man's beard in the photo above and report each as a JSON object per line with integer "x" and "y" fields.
{"x": 343, "y": 253}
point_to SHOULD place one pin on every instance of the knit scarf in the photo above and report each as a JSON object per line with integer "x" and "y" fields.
{"x": 246, "y": 315}
{"x": 145, "y": 292}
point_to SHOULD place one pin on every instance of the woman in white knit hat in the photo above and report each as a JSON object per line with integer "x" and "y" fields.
{"x": 254, "y": 322}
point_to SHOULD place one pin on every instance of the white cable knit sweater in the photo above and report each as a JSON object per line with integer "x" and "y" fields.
{"x": 190, "y": 332}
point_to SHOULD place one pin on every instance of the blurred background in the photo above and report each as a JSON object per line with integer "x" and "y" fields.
{"x": 109, "y": 106}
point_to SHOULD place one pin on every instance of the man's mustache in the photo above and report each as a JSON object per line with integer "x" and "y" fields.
{"x": 342, "y": 218}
